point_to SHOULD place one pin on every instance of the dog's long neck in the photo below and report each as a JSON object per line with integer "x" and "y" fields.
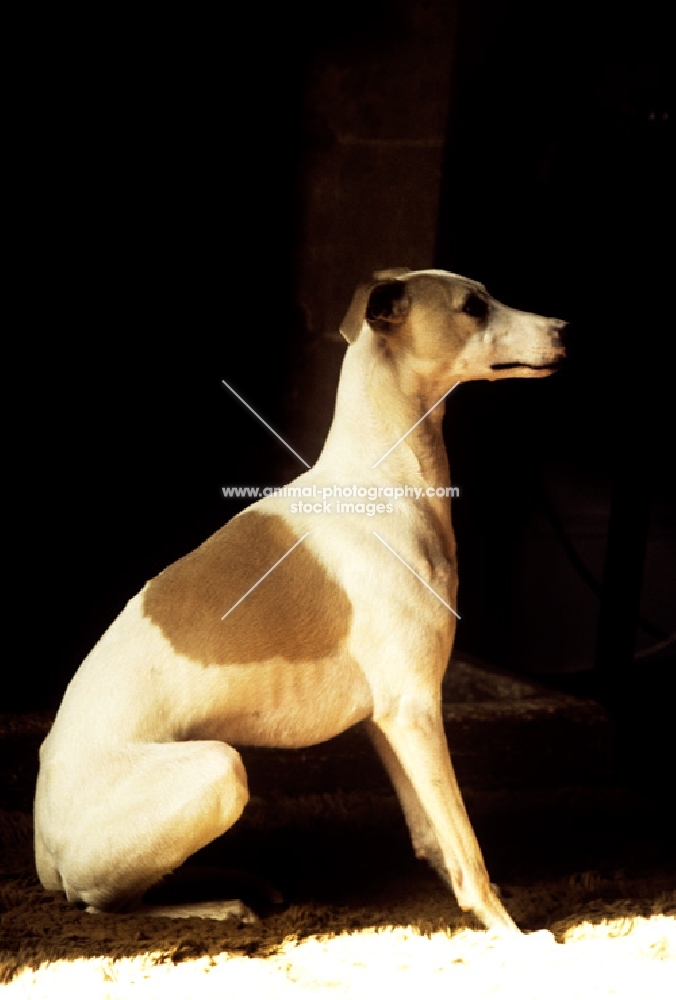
{"x": 376, "y": 406}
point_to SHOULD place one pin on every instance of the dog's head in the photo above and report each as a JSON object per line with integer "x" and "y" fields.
{"x": 436, "y": 316}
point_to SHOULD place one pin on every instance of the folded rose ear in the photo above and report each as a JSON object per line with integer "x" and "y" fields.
{"x": 382, "y": 302}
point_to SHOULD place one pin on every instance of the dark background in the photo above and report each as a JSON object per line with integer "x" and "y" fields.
{"x": 188, "y": 213}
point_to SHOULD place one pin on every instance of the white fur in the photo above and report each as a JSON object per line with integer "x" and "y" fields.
{"x": 138, "y": 771}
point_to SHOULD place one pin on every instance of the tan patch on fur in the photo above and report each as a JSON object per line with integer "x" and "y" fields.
{"x": 298, "y": 612}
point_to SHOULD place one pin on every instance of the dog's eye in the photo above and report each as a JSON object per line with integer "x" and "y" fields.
{"x": 475, "y": 306}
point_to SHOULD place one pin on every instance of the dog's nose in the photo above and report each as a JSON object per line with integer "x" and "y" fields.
{"x": 558, "y": 330}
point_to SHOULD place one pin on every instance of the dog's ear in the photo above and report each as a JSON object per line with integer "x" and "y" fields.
{"x": 382, "y": 302}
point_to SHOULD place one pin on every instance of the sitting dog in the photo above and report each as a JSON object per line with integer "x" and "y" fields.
{"x": 285, "y": 628}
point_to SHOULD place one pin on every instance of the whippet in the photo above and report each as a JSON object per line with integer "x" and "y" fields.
{"x": 354, "y": 624}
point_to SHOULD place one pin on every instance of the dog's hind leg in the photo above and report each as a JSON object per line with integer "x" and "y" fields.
{"x": 142, "y": 809}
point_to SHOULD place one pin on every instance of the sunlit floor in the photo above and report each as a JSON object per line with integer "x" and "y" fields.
{"x": 624, "y": 958}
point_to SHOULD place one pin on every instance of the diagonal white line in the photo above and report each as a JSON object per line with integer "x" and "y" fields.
{"x": 412, "y": 429}
{"x": 425, "y": 584}
{"x": 265, "y": 574}
{"x": 271, "y": 429}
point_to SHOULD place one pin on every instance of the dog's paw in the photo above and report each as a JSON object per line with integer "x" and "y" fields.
{"x": 219, "y": 909}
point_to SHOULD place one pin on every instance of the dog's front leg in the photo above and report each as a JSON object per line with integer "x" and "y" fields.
{"x": 414, "y": 729}
{"x": 423, "y": 838}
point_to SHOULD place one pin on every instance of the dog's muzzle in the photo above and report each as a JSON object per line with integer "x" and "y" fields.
{"x": 557, "y": 350}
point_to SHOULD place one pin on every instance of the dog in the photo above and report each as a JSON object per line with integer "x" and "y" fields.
{"x": 285, "y": 628}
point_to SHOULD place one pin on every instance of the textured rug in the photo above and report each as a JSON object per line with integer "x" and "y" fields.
{"x": 588, "y": 864}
